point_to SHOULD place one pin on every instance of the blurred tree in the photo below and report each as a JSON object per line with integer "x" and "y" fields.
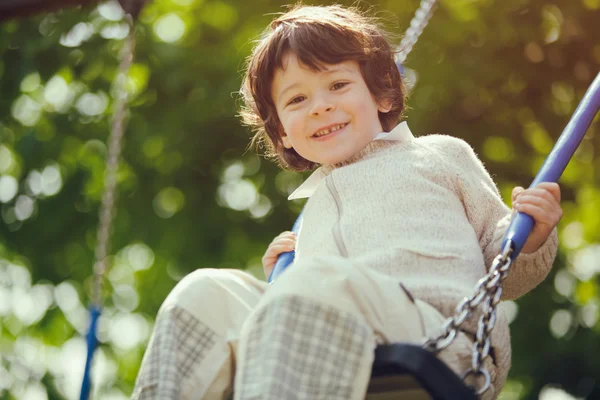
{"x": 505, "y": 76}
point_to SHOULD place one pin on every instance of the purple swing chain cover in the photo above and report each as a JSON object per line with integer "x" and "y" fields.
{"x": 557, "y": 161}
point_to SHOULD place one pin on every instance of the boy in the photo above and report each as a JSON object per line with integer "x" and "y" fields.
{"x": 396, "y": 232}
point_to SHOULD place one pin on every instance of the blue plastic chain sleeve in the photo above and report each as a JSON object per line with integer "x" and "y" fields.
{"x": 285, "y": 259}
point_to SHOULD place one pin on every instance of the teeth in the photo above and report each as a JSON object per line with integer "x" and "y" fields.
{"x": 328, "y": 131}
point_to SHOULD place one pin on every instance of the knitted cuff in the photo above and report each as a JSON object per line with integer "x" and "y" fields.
{"x": 543, "y": 256}
{"x": 528, "y": 270}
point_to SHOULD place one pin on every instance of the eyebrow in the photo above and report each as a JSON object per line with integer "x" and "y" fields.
{"x": 326, "y": 71}
{"x": 288, "y": 88}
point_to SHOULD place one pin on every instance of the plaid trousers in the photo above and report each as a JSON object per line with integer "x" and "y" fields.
{"x": 310, "y": 335}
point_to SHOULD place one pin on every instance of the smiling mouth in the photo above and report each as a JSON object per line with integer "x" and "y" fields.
{"x": 327, "y": 131}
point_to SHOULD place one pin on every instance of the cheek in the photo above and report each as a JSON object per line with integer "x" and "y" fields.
{"x": 364, "y": 110}
{"x": 361, "y": 102}
{"x": 294, "y": 126}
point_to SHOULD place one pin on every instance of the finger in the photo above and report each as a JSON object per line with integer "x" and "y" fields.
{"x": 285, "y": 234}
{"x": 552, "y": 187}
{"x": 516, "y": 191}
{"x": 269, "y": 261}
{"x": 540, "y": 201}
{"x": 540, "y": 209}
{"x": 290, "y": 235}
{"x": 268, "y": 269}
{"x": 284, "y": 241}
{"x": 539, "y": 214}
{"x": 268, "y": 265}
{"x": 276, "y": 250}
{"x": 532, "y": 210}
{"x": 542, "y": 193}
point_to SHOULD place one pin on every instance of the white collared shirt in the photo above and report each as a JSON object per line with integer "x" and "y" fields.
{"x": 400, "y": 133}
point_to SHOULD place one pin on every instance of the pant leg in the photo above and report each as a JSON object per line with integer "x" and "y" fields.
{"x": 191, "y": 354}
{"x": 313, "y": 334}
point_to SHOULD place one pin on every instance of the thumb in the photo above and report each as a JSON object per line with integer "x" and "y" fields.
{"x": 516, "y": 192}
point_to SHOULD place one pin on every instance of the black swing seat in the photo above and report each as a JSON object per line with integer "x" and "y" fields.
{"x": 409, "y": 372}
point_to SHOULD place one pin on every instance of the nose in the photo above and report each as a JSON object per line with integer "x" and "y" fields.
{"x": 321, "y": 106}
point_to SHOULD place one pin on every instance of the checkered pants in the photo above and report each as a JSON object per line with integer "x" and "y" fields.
{"x": 310, "y": 335}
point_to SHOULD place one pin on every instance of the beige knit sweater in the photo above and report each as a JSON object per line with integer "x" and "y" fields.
{"x": 426, "y": 212}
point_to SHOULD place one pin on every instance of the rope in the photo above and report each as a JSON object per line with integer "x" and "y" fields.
{"x": 114, "y": 151}
{"x": 107, "y": 207}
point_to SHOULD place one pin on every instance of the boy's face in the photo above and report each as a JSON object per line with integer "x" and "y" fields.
{"x": 327, "y": 116}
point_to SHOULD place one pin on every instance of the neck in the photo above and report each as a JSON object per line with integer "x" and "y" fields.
{"x": 368, "y": 151}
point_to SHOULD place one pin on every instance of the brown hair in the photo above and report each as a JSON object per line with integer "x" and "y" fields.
{"x": 317, "y": 35}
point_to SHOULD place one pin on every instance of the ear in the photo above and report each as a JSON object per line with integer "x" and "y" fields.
{"x": 286, "y": 141}
{"x": 385, "y": 106}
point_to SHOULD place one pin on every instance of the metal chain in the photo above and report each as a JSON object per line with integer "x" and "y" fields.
{"x": 417, "y": 25}
{"x": 114, "y": 151}
{"x": 489, "y": 288}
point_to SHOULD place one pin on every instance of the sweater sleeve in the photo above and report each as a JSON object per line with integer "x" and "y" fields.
{"x": 490, "y": 218}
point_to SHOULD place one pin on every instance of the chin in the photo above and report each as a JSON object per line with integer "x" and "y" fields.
{"x": 335, "y": 160}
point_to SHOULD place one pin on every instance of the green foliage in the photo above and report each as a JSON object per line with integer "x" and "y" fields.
{"x": 505, "y": 76}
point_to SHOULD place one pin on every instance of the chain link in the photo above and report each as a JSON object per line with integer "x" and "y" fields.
{"x": 114, "y": 151}
{"x": 417, "y": 25}
{"x": 489, "y": 288}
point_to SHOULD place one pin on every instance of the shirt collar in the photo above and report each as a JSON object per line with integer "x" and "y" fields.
{"x": 401, "y": 133}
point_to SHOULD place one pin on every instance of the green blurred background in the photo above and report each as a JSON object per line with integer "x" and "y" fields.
{"x": 504, "y": 75}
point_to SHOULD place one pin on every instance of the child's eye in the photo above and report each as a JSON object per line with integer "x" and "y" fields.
{"x": 296, "y": 100}
{"x": 339, "y": 85}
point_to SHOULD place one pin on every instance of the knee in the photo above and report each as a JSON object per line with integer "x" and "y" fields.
{"x": 317, "y": 278}
{"x": 321, "y": 269}
{"x": 297, "y": 276}
{"x": 199, "y": 287}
